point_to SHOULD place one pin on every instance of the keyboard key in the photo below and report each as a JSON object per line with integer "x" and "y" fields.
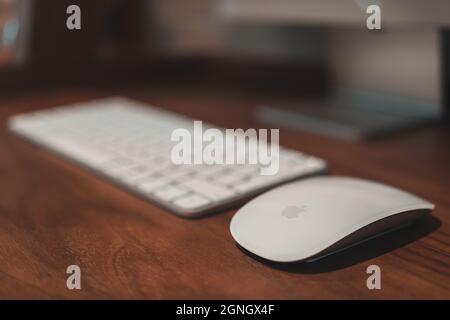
{"x": 137, "y": 173}
{"x": 230, "y": 178}
{"x": 315, "y": 164}
{"x": 292, "y": 171}
{"x": 161, "y": 164}
{"x": 257, "y": 183}
{"x": 246, "y": 169}
{"x": 192, "y": 202}
{"x": 209, "y": 170}
{"x": 176, "y": 173}
{"x": 209, "y": 189}
{"x": 170, "y": 193}
{"x": 117, "y": 162}
{"x": 149, "y": 186}
{"x": 120, "y": 173}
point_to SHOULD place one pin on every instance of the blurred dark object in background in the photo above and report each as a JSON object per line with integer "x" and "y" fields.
{"x": 141, "y": 40}
{"x": 110, "y": 29}
{"x": 111, "y": 39}
{"x": 446, "y": 74}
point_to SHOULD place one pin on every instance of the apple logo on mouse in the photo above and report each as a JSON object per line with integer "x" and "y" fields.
{"x": 292, "y": 212}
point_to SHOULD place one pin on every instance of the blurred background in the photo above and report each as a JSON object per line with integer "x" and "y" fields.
{"x": 321, "y": 69}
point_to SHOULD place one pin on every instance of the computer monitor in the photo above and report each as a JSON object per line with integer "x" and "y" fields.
{"x": 381, "y": 80}
{"x": 411, "y": 13}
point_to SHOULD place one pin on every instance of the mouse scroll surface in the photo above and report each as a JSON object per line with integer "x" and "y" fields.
{"x": 299, "y": 220}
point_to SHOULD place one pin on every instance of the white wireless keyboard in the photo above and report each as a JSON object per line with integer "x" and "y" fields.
{"x": 129, "y": 143}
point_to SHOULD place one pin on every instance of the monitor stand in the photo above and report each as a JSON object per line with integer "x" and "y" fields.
{"x": 350, "y": 115}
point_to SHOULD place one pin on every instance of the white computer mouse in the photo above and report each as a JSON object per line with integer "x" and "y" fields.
{"x": 314, "y": 217}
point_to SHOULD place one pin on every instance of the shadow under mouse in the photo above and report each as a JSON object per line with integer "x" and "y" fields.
{"x": 359, "y": 253}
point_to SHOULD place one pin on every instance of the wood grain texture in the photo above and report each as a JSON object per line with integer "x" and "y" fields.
{"x": 54, "y": 214}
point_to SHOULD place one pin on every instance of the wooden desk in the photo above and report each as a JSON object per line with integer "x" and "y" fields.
{"x": 54, "y": 214}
